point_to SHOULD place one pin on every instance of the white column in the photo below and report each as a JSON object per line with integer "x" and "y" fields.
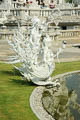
{"x": 61, "y": 1}
{"x": 7, "y": 1}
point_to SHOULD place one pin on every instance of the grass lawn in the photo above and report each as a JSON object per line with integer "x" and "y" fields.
{"x": 15, "y": 93}
{"x": 66, "y": 67}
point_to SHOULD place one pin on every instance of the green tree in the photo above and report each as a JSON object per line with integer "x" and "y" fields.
{"x": 70, "y": 1}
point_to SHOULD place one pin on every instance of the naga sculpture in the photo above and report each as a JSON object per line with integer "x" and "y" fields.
{"x": 34, "y": 53}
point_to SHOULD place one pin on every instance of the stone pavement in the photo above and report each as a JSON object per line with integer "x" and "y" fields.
{"x": 69, "y": 54}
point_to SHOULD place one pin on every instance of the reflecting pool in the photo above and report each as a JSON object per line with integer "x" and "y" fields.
{"x": 63, "y": 102}
{"x": 73, "y": 83}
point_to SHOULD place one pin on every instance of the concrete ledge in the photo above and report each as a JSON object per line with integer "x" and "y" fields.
{"x": 36, "y": 104}
{"x": 64, "y": 74}
{"x": 35, "y": 100}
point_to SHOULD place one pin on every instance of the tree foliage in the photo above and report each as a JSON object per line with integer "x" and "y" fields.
{"x": 70, "y": 1}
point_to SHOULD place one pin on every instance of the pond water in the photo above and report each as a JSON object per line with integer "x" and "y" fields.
{"x": 73, "y": 82}
{"x": 63, "y": 102}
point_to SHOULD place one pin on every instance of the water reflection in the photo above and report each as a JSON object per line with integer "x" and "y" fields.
{"x": 73, "y": 82}
{"x": 63, "y": 102}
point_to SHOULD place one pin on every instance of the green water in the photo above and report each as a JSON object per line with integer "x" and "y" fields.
{"x": 63, "y": 102}
{"x": 73, "y": 83}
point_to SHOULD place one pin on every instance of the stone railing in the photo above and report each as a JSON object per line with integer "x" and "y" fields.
{"x": 72, "y": 36}
{"x": 42, "y": 12}
{"x": 70, "y": 33}
{"x": 6, "y": 35}
{"x": 30, "y": 12}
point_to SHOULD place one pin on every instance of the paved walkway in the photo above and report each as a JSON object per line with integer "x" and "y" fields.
{"x": 69, "y": 54}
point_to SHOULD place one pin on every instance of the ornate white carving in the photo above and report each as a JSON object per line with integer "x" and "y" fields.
{"x": 34, "y": 53}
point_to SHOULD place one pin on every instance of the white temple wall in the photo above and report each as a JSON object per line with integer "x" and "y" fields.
{"x": 61, "y": 1}
{"x": 76, "y": 2}
{"x": 6, "y": 1}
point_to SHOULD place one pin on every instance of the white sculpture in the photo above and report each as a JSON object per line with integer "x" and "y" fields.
{"x": 4, "y": 14}
{"x": 34, "y": 53}
{"x": 3, "y": 18}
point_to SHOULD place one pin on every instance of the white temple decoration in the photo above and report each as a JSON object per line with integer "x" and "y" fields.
{"x": 4, "y": 14}
{"x": 33, "y": 52}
